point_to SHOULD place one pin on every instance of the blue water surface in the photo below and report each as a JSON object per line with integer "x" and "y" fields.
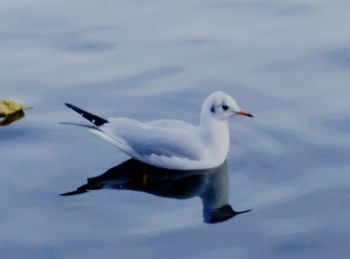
{"x": 288, "y": 63}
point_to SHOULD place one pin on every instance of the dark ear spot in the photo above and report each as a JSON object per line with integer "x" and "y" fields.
{"x": 212, "y": 109}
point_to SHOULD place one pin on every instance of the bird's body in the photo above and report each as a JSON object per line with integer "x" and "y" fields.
{"x": 184, "y": 146}
{"x": 173, "y": 144}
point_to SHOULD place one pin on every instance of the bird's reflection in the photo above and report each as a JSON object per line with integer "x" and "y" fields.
{"x": 211, "y": 185}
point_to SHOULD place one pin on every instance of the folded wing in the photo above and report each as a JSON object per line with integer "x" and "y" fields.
{"x": 142, "y": 140}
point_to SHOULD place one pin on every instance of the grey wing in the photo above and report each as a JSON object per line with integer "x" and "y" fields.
{"x": 150, "y": 139}
{"x": 172, "y": 124}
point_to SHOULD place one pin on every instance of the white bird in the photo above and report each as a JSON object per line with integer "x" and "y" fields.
{"x": 173, "y": 144}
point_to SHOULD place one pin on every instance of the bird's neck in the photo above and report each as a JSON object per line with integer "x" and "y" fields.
{"x": 216, "y": 134}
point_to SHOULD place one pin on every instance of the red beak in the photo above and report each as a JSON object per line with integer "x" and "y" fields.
{"x": 244, "y": 113}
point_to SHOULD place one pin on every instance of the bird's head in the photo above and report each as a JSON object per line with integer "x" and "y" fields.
{"x": 221, "y": 106}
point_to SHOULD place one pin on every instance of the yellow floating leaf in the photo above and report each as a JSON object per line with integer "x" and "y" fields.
{"x": 11, "y": 110}
{"x": 9, "y": 106}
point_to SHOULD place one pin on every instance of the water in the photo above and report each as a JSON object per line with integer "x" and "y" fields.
{"x": 287, "y": 63}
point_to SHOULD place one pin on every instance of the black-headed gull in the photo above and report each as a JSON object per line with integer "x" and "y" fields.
{"x": 173, "y": 144}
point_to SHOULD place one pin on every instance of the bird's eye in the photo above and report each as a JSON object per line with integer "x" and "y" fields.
{"x": 225, "y": 107}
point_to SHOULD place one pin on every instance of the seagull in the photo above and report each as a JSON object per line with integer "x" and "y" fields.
{"x": 173, "y": 144}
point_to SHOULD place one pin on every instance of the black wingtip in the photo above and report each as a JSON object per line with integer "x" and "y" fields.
{"x": 98, "y": 121}
{"x": 69, "y": 105}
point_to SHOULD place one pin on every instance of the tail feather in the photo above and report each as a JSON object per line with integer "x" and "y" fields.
{"x": 98, "y": 121}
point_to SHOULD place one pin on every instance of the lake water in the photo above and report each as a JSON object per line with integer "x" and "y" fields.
{"x": 287, "y": 63}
